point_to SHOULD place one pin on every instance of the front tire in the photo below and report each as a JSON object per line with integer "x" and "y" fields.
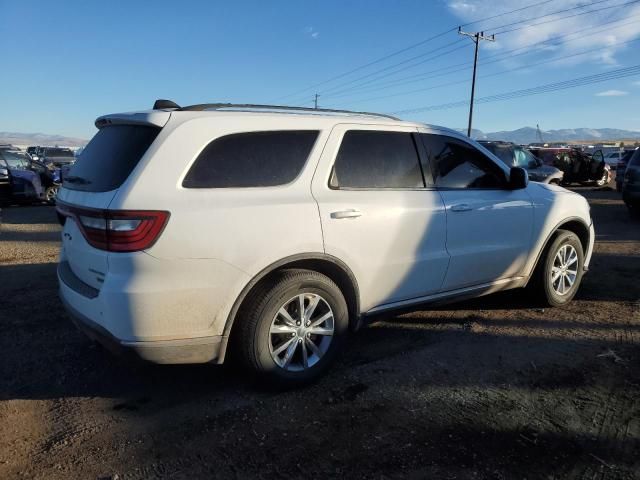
{"x": 559, "y": 271}
{"x": 50, "y": 194}
{"x": 292, "y": 327}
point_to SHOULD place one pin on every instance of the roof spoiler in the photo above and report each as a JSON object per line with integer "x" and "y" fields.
{"x": 151, "y": 118}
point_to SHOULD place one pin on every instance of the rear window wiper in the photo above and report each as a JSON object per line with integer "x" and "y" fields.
{"x": 76, "y": 179}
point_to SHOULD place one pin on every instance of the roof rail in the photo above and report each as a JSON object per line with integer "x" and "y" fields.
{"x": 249, "y": 106}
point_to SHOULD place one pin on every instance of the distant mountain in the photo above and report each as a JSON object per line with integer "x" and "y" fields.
{"x": 527, "y": 135}
{"x": 42, "y": 139}
{"x": 523, "y": 135}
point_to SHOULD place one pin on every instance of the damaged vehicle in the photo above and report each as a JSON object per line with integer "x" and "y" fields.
{"x": 18, "y": 183}
{"x": 517, "y": 156}
{"x": 576, "y": 165}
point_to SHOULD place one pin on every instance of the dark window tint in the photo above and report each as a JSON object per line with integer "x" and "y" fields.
{"x": 456, "y": 164}
{"x": 255, "y": 159}
{"x": 110, "y": 157}
{"x": 373, "y": 159}
{"x": 635, "y": 159}
{"x": 58, "y": 152}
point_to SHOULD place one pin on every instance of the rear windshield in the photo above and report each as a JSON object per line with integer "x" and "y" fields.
{"x": 58, "y": 152}
{"x": 635, "y": 159}
{"x": 109, "y": 158}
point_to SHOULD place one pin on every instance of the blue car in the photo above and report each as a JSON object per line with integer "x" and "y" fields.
{"x": 18, "y": 183}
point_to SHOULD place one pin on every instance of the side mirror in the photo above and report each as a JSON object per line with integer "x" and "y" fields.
{"x": 518, "y": 178}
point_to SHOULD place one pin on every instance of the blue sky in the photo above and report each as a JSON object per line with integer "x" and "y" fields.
{"x": 67, "y": 62}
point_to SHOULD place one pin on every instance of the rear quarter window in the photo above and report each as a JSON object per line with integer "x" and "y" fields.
{"x": 251, "y": 159}
{"x": 110, "y": 157}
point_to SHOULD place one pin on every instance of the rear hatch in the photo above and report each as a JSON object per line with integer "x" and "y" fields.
{"x": 92, "y": 183}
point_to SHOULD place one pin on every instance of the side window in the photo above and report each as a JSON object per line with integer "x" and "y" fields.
{"x": 457, "y": 164}
{"x": 253, "y": 159}
{"x": 377, "y": 159}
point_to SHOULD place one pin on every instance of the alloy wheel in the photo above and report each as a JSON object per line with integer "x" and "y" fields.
{"x": 301, "y": 332}
{"x": 51, "y": 194}
{"x": 564, "y": 270}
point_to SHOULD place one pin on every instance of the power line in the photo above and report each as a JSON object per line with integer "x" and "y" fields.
{"x": 500, "y": 72}
{"x": 457, "y": 42}
{"x": 548, "y": 88}
{"x": 328, "y": 91}
{"x": 444, "y": 71}
{"x": 412, "y": 46}
{"x": 502, "y": 32}
{"x": 362, "y": 67}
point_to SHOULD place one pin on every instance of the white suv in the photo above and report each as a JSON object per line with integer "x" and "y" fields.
{"x": 271, "y": 233}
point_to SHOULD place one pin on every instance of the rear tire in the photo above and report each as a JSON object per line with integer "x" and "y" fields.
{"x": 283, "y": 343}
{"x": 559, "y": 271}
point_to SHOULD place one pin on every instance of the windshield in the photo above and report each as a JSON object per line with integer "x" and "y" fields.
{"x": 16, "y": 159}
{"x": 503, "y": 152}
{"x": 524, "y": 158}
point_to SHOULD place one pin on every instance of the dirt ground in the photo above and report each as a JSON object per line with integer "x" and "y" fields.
{"x": 492, "y": 388}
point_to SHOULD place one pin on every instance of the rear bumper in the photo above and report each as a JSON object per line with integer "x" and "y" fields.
{"x": 73, "y": 293}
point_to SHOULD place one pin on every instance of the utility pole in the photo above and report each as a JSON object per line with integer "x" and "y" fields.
{"x": 476, "y": 37}
{"x": 539, "y": 132}
{"x": 315, "y": 101}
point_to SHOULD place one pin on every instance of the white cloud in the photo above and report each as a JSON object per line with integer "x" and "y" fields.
{"x": 591, "y": 34}
{"x": 612, "y": 93}
{"x": 312, "y": 32}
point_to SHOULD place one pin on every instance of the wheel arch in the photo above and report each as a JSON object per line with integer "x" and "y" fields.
{"x": 572, "y": 224}
{"x": 328, "y": 265}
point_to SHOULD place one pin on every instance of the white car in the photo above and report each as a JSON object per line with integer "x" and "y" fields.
{"x": 613, "y": 158}
{"x": 271, "y": 233}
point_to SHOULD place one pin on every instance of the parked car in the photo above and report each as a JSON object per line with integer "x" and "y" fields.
{"x": 516, "y": 156}
{"x": 621, "y": 167}
{"x": 50, "y": 177}
{"x": 33, "y": 151}
{"x": 270, "y": 232}
{"x": 57, "y": 156}
{"x": 18, "y": 183}
{"x": 613, "y": 158}
{"x": 577, "y": 166}
{"x": 631, "y": 183}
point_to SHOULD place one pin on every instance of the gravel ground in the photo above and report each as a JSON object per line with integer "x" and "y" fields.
{"x": 491, "y": 388}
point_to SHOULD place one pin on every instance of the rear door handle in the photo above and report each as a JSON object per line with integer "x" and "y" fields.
{"x": 461, "y": 207}
{"x": 351, "y": 213}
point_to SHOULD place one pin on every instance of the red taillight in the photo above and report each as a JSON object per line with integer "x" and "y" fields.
{"x": 117, "y": 230}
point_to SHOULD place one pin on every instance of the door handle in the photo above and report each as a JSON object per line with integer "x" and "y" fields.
{"x": 461, "y": 207}
{"x": 351, "y": 213}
